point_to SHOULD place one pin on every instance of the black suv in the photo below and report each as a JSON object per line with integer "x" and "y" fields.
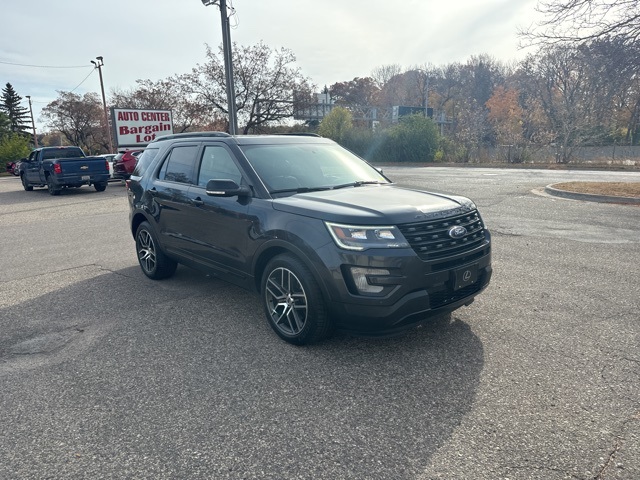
{"x": 326, "y": 238}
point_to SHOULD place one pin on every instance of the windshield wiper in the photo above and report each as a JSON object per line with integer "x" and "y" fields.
{"x": 359, "y": 183}
{"x": 300, "y": 190}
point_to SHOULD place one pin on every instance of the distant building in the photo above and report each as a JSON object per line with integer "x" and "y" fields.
{"x": 324, "y": 104}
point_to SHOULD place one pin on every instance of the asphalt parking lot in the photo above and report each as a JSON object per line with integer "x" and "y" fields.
{"x": 106, "y": 374}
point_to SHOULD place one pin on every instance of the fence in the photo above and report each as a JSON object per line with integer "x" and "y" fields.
{"x": 608, "y": 155}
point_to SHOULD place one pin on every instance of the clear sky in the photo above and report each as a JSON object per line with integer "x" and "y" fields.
{"x": 333, "y": 40}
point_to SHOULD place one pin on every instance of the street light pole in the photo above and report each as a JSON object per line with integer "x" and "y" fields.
{"x": 99, "y": 65}
{"x": 33, "y": 125}
{"x": 228, "y": 63}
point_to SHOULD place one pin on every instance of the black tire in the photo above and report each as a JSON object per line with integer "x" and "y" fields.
{"x": 25, "y": 184}
{"x": 100, "y": 187}
{"x": 51, "y": 187}
{"x": 154, "y": 263}
{"x": 293, "y": 302}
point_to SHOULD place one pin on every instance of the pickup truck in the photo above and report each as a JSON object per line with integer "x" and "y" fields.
{"x": 63, "y": 167}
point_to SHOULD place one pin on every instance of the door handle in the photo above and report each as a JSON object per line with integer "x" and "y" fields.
{"x": 197, "y": 201}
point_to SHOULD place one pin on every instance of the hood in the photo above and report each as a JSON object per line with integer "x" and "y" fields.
{"x": 373, "y": 205}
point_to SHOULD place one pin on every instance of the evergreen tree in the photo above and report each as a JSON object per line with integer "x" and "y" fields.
{"x": 19, "y": 116}
{"x": 5, "y": 125}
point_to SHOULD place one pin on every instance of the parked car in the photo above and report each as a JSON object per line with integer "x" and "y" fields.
{"x": 327, "y": 239}
{"x": 124, "y": 163}
{"x": 14, "y": 167}
{"x": 109, "y": 157}
{"x": 10, "y": 167}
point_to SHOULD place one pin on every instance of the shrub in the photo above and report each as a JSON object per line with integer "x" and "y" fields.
{"x": 414, "y": 139}
{"x": 336, "y": 124}
{"x": 13, "y": 147}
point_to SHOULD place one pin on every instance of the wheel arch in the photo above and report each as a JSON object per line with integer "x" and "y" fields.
{"x": 278, "y": 248}
{"x": 136, "y": 220}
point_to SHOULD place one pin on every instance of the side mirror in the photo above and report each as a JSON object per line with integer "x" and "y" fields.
{"x": 226, "y": 188}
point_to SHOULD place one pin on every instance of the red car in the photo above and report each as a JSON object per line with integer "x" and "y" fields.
{"x": 13, "y": 168}
{"x": 124, "y": 163}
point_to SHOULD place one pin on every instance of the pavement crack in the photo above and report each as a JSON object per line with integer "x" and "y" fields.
{"x": 505, "y": 233}
{"x": 609, "y": 459}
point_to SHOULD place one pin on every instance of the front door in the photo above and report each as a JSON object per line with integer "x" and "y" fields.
{"x": 220, "y": 227}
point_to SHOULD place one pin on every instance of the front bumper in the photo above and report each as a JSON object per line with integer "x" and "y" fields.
{"x": 420, "y": 295}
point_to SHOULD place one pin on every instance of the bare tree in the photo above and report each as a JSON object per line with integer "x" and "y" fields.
{"x": 568, "y": 89}
{"x": 169, "y": 94}
{"x": 267, "y": 84}
{"x": 581, "y": 21}
{"x": 383, "y": 74}
{"x": 80, "y": 119}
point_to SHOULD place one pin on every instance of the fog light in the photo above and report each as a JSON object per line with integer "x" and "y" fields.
{"x": 362, "y": 281}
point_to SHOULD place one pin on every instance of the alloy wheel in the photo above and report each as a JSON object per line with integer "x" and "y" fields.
{"x": 146, "y": 251}
{"x": 286, "y": 301}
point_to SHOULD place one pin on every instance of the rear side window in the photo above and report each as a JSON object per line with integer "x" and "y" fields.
{"x": 62, "y": 153}
{"x": 144, "y": 160}
{"x": 179, "y": 166}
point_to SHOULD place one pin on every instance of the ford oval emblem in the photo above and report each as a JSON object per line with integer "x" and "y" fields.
{"x": 457, "y": 232}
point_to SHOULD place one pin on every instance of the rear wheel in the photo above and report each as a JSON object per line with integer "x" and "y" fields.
{"x": 52, "y": 187}
{"x": 293, "y": 302}
{"x": 100, "y": 187}
{"x": 154, "y": 263}
{"x": 25, "y": 184}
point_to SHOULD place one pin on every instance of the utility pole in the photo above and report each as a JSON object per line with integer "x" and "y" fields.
{"x": 426, "y": 94}
{"x": 99, "y": 65}
{"x": 33, "y": 125}
{"x": 228, "y": 63}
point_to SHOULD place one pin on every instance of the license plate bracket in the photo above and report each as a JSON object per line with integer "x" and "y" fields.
{"x": 465, "y": 276}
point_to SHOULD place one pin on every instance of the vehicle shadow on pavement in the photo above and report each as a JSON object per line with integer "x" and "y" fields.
{"x": 119, "y": 373}
{"x": 20, "y": 198}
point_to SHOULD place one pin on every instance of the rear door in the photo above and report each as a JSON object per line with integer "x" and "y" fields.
{"x": 171, "y": 200}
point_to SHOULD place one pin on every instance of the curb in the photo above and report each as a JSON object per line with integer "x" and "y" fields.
{"x": 589, "y": 197}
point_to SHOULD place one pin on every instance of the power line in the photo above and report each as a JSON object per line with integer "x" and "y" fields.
{"x": 40, "y": 66}
{"x": 83, "y": 80}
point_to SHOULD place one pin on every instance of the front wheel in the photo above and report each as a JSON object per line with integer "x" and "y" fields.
{"x": 154, "y": 263}
{"x": 293, "y": 302}
{"x": 25, "y": 183}
{"x": 100, "y": 187}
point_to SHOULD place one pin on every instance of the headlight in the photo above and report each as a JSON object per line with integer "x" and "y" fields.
{"x": 352, "y": 237}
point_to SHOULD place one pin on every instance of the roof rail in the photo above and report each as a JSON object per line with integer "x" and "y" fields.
{"x": 191, "y": 135}
{"x": 300, "y": 134}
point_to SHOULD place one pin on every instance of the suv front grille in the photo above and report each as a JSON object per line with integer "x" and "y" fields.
{"x": 431, "y": 241}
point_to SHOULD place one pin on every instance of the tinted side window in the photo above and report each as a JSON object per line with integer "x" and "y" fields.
{"x": 179, "y": 165}
{"x": 144, "y": 160}
{"x": 217, "y": 164}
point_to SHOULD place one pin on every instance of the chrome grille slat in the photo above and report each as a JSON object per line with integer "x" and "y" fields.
{"x": 431, "y": 241}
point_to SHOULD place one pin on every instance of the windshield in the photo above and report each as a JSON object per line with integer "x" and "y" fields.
{"x": 304, "y": 167}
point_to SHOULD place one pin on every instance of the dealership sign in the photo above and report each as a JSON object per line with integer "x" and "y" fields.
{"x": 136, "y": 128}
